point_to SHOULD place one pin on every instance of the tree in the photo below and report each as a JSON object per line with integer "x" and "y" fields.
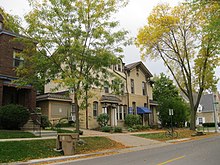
{"x": 75, "y": 41}
{"x": 11, "y": 22}
{"x": 179, "y": 38}
{"x": 167, "y": 96}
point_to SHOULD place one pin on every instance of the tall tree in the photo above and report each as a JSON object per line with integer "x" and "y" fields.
{"x": 178, "y": 37}
{"x": 76, "y": 42}
{"x": 167, "y": 96}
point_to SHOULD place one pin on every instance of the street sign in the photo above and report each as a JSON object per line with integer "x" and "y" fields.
{"x": 171, "y": 112}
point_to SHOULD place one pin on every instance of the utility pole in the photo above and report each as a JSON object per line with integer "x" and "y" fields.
{"x": 214, "y": 108}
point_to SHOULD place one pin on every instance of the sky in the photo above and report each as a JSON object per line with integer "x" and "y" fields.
{"x": 131, "y": 18}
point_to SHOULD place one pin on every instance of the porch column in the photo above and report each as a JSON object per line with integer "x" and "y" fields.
{"x": 104, "y": 109}
{"x": 115, "y": 111}
{"x": 1, "y": 93}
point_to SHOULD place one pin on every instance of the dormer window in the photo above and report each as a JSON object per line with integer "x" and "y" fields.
{"x": 17, "y": 59}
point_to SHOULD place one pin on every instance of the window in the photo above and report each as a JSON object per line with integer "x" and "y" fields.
{"x": 125, "y": 109}
{"x": 144, "y": 88}
{"x": 200, "y": 120}
{"x": 134, "y": 108}
{"x": 132, "y": 85}
{"x": 115, "y": 67}
{"x": 120, "y": 112}
{"x": 95, "y": 109}
{"x": 119, "y": 67}
{"x": 106, "y": 87}
{"x": 17, "y": 60}
{"x": 145, "y": 104}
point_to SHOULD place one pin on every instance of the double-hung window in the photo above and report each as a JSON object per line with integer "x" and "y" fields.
{"x": 17, "y": 59}
{"x": 95, "y": 108}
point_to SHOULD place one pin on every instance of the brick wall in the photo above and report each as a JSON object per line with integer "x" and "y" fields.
{"x": 7, "y": 46}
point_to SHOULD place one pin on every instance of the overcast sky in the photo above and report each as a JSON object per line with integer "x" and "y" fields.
{"x": 131, "y": 18}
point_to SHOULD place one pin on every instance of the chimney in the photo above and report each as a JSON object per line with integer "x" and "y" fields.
{"x": 1, "y": 22}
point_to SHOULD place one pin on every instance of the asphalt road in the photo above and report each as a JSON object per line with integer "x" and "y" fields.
{"x": 200, "y": 152}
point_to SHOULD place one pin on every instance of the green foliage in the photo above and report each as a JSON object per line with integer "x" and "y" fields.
{"x": 208, "y": 124}
{"x": 164, "y": 88}
{"x": 73, "y": 50}
{"x": 11, "y": 22}
{"x": 13, "y": 116}
{"x": 186, "y": 41}
{"x": 140, "y": 127}
{"x": 132, "y": 129}
{"x": 168, "y": 98}
{"x": 106, "y": 129}
{"x": 45, "y": 122}
{"x": 117, "y": 129}
{"x": 131, "y": 120}
{"x": 103, "y": 119}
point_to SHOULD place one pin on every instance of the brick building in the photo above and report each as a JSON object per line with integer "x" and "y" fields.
{"x": 11, "y": 93}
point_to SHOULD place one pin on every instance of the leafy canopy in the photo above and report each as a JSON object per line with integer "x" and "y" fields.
{"x": 75, "y": 43}
{"x": 167, "y": 96}
{"x": 180, "y": 38}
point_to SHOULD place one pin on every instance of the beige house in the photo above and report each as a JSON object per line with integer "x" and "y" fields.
{"x": 135, "y": 98}
{"x": 205, "y": 111}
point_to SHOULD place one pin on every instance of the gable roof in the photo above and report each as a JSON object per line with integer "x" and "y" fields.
{"x": 141, "y": 65}
{"x": 207, "y": 103}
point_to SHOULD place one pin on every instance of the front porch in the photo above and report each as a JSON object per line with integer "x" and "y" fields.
{"x": 12, "y": 94}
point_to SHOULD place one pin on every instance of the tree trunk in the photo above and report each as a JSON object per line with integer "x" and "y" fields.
{"x": 193, "y": 119}
{"x": 87, "y": 117}
{"x": 77, "y": 111}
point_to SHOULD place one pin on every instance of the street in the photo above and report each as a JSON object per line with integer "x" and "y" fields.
{"x": 199, "y": 152}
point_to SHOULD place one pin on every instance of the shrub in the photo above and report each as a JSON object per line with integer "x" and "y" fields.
{"x": 208, "y": 124}
{"x": 131, "y": 120}
{"x": 103, "y": 119}
{"x": 13, "y": 116}
{"x": 117, "y": 129}
{"x": 63, "y": 122}
{"x": 132, "y": 130}
{"x": 106, "y": 129}
{"x": 45, "y": 122}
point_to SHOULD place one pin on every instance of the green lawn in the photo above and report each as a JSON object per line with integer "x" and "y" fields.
{"x": 8, "y": 134}
{"x": 27, "y": 150}
{"x": 161, "y": 136}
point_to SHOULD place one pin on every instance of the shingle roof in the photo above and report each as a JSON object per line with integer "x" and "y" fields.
{"x": 207, "y": 103}
{"x": 53, "y": 96}
{"x": 142, "y": 66}
{"x": 110, "y": 99}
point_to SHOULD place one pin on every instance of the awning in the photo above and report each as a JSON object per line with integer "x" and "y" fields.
{"x": 142, "y": 110}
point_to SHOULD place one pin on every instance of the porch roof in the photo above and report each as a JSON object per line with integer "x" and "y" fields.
{"x": 109, "y": 99}
{"x": 142, "y": 110}
{"x": 53, "y": 96}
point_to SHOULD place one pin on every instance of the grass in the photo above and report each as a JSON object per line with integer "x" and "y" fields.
{"x": 161, "y": 136}
{"x": 9, "y": 134}
{"x": 27, "y": 150}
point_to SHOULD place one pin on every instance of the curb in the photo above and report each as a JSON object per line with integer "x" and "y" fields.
{"x": 177, "y": 140}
